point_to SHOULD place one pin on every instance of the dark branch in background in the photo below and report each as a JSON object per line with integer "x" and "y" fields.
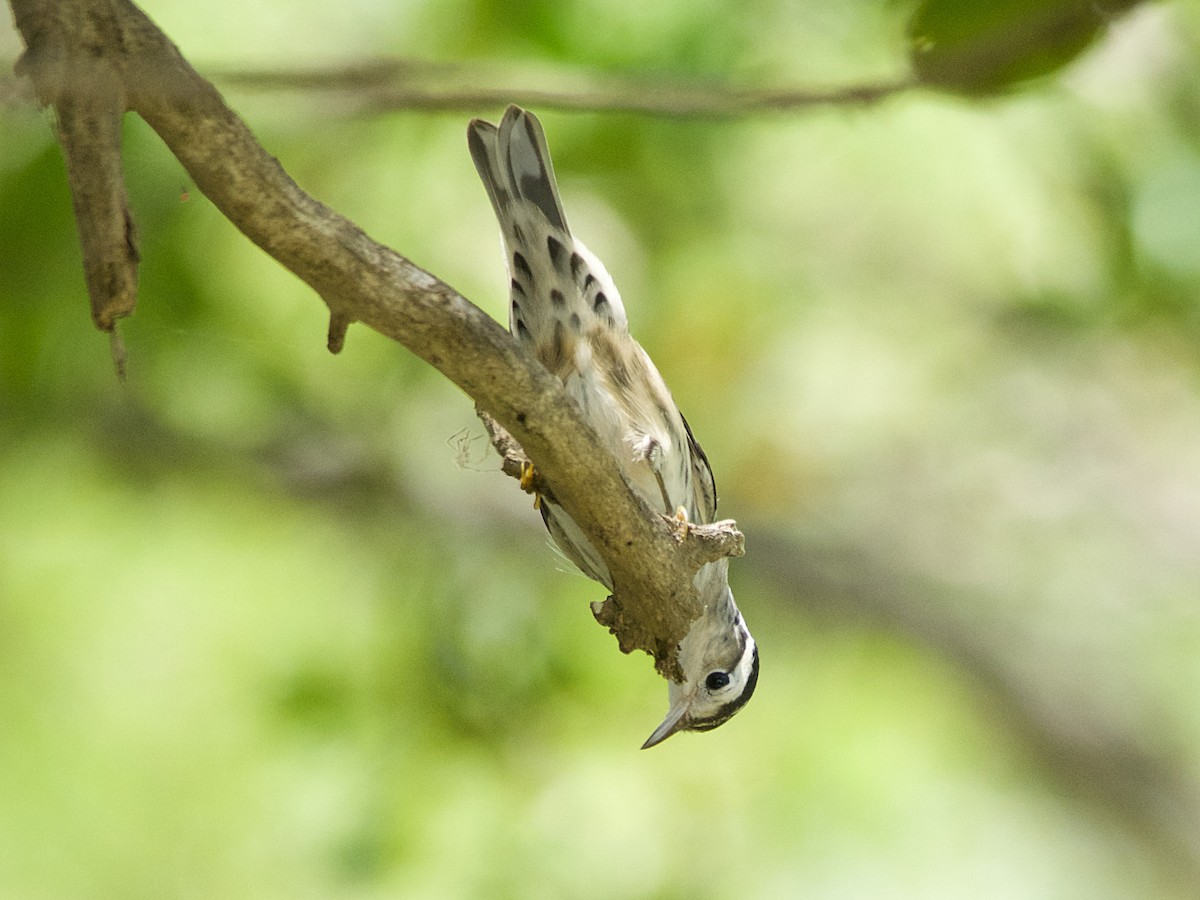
{"x": 1091, "y": 754}
{"x": 70, "y": 41}
{"x": 951, "y": 47}
{"x": 380, "y": 86}
{"x": 383, "y": 85}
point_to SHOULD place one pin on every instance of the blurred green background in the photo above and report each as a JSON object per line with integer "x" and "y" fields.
{"x": 272, "y": 624}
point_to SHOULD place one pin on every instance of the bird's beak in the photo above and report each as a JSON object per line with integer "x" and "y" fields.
{"x": 675, "y": 721}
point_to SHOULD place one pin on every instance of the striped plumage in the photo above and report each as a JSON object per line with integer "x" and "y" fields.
{"x": 565, "y": 305}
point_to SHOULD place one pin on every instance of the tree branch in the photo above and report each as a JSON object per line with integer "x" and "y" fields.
{"x": 363, "y": 281}
{"x": 384, "y": 85}
{"x": 71, "y": 73}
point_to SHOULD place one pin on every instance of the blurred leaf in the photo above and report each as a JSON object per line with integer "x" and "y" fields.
{"x": 981, "y": 46}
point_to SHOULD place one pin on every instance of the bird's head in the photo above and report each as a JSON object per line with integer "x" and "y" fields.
{"x": 719, "y": 660}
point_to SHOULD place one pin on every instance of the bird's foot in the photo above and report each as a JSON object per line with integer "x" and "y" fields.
{"x": 680, "y": 524}
{"x": 528, "y": 476}
{"x": 528, "y": 473}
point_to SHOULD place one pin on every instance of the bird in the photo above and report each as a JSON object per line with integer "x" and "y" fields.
{"x": 564, "y": 305}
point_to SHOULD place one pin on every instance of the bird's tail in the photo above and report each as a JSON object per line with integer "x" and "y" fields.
{"x": 514, "y": 164}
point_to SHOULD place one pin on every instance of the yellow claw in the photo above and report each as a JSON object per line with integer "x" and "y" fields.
{"x": 681, "y": 523}
{"x": 527, "y": 475}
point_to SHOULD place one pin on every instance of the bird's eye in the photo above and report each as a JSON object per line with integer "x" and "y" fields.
{"x": 716, "y": 680}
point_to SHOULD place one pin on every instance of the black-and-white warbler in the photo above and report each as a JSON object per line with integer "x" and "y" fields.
{"x": 565, "y": 305}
